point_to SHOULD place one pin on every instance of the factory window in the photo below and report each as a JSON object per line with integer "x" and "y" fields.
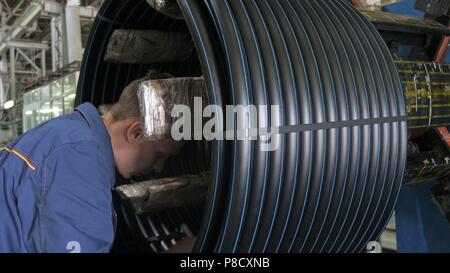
{"x": 49, "y": 101}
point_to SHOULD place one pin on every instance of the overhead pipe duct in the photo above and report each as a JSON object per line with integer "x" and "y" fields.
{"x": 333, "y": 183}
{"x": 3, "y": 75}
{"x": 73, "y": 31}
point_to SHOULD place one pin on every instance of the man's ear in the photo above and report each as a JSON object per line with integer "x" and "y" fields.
{"x": 134, "y": 133}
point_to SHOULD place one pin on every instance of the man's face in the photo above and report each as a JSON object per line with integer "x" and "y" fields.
{"x": 152, "y": 155}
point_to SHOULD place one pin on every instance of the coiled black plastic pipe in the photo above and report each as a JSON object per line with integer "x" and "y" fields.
{"x": 330, "y": 187}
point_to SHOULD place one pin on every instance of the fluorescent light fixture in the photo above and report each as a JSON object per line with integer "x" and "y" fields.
{"x": 9, "y": 104}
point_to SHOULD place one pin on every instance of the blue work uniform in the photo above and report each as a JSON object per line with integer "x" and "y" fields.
{"x": 56, "y": 186}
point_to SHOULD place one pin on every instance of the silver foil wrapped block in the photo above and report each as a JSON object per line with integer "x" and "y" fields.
{"x": 157, "y": 99}
{"x": 155, "y": 195}
{"x": 138, "y": 46}
{"x": 167, "y": 7}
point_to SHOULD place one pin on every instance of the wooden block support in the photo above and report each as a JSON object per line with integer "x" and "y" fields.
{"x": 133, "y": 46}
{"x": 157, "y": 195}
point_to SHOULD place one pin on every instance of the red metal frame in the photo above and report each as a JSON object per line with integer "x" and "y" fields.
{"x": 443, "y": 49}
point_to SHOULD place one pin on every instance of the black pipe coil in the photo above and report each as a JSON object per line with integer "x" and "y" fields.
{"x": 327, "y": 190}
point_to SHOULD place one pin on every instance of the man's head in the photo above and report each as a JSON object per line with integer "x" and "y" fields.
{"x": 133, "y": 153}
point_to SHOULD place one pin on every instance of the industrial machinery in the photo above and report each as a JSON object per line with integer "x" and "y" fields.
{"x": 357, "y": 122}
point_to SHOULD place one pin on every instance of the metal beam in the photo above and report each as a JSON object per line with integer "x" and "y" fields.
{"x": 72, "y": 34}
{"x": 13, "y": 12}
{"x": 52, "y": 8}
{"x": 27, "y": 72}
{"x": 29, "y": 16}
{"x": 88, "y": 12}
{"x": 43, "y": 63}
{"x": 27, "y": 45}
{"x": 57, "y": 42}
{"x": 5, "y": 3}
{"x": 55, "y": 9}
{"x": 28, "y": 59}
{"x": 12, "y": 69}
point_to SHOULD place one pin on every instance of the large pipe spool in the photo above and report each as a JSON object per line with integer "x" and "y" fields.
{"x": 333, "y": 183}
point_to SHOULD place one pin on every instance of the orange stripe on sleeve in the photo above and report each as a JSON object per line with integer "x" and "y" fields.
{"x": 12, "y": 151}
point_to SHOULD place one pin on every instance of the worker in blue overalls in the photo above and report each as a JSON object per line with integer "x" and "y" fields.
{"x": 56, "y": 180}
